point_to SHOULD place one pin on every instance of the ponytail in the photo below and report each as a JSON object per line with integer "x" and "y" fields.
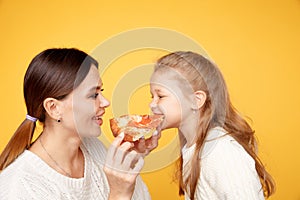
{"x": 20, "y": 141}
{"x": 53, "y": 73}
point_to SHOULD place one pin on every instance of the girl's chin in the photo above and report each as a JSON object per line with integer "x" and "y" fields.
{"x": 165, "y": 126}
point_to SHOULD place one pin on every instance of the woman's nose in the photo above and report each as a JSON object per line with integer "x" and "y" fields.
{"x": 104, "y": 102}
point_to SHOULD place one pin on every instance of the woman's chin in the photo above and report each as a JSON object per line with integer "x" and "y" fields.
{"x": 95, "y": 132}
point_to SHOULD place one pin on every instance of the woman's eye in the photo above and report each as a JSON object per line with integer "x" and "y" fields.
{"x": 95, "y": 95}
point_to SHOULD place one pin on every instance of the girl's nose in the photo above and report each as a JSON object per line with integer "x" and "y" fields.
{"x": 153, "y": 104}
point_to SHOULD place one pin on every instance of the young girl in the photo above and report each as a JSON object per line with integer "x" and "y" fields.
{"x": 218, "y": 148}
{"x": 63, "y": 91}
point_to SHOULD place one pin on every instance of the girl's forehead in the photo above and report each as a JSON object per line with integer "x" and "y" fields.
{"x": 166, "y": 74}
{"x": 170, "y": 80}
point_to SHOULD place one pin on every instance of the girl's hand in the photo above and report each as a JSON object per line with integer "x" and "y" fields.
{"x": 121, "y": 168}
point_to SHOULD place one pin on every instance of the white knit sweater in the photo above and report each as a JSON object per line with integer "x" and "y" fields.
{"x": 227, "y": 170}
{"x": 29, "y": 177}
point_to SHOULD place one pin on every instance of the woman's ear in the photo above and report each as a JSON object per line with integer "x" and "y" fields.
{"x": 52, "y": 107}
{"x": 200, "y": 97}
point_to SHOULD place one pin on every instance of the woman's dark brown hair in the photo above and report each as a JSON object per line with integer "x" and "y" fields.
{"x": 217, "y": 111}
{"x": 52, "y": 73}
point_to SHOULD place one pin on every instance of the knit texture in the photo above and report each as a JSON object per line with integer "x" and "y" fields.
{"x": 227, "y": 170}
{"x": 29, "y": 177}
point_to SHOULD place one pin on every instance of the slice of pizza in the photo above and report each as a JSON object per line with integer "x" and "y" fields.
{"x": 135, "y": 126}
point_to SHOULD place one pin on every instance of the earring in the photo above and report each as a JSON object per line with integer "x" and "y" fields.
{"x": 58, "y": 120}
{"x": 194, "y": 110}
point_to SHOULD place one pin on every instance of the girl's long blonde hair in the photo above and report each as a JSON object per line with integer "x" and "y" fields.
{"x": 203, "y": 75}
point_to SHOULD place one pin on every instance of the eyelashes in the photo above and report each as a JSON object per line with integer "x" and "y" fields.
{"x": 94, "y": 96}
{"x": 159, "y": 96}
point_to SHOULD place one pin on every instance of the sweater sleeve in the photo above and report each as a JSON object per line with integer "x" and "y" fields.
{"x": 141, "y": 191}
{"x": 230, "y": 172}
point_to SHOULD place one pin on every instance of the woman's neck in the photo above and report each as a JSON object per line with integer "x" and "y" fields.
{"x": 61, "y": 152}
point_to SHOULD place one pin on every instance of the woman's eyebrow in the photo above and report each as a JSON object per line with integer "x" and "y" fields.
{"x": 95, "y": 88}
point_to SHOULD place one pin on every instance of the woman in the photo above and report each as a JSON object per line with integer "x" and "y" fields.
{"x": 63, "y": 91}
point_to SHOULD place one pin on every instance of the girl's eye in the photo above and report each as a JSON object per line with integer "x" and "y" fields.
{"x": 102, "y": 90}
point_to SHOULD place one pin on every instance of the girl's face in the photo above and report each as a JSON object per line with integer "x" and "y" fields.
{"x": 170, "y": 98}
{"x": 85, "y": 106}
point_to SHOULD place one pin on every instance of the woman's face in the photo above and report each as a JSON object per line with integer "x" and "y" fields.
{"x": 85, "y": 106}
{"x": 170, "y": 98}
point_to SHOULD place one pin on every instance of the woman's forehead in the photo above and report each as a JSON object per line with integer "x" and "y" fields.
{"x": 92, "y": 79}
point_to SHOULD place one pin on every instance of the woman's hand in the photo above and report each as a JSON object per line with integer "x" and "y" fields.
{"x": 145, "y": 146}
{"x": 121, "y": 168}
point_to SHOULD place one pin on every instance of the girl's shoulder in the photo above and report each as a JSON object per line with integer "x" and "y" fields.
{"x": 219, "y": 142}
{"x": 223, "y": 150}
{"x": 227, "y": 167}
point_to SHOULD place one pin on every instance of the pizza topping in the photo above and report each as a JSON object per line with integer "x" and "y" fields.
{"x": 135, "y": 126}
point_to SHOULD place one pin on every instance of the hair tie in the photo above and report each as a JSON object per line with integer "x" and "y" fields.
{"x": 33, "y": 119}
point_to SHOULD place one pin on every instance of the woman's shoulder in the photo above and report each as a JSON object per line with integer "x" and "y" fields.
{"x": 14, "y": 176}
{"x": 95, "y": 147}
{"x": 94, "y": 143}
{"x": 22, "y": 163}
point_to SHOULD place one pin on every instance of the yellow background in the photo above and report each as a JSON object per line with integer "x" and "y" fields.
{"x": 255, "y": 43}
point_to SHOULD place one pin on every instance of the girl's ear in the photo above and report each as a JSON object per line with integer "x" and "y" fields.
{"x": 53, "y": 108}
{"x": 200, "y": 97}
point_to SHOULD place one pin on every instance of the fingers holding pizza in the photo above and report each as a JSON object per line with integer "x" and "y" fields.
{"x": 142, "y": 130}
{"x": 145, "y": 146}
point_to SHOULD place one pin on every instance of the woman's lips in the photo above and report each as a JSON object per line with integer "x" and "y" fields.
{"x": 99, "y": 120}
